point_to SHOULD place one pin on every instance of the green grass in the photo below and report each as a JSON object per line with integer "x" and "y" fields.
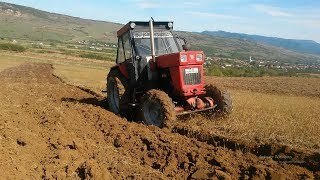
{"x": 215, "y": 70}
{"x": 89, "y": 54}
{"x": 12, "y": 47}
{"x": 96, "y": 56}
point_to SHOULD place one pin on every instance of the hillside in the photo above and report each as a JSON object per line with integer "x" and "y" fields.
{"x": 243, "y": 49}
{"x": 303, "y": 46}
{"x": 20, "y": 22}
{"x": 25, "y": 23}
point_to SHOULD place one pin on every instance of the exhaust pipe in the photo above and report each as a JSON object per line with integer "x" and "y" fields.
{"x": 153, "y": 53}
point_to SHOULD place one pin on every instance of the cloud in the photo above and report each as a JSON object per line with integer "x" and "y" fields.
{"x": 213, "y": 15}
{"x": 147, "y": 5}
{"x": 271, "y": 10}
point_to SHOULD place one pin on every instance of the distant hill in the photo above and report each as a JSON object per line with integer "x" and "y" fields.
{"x": 243, "y": 49}
{"x": 29, "y": 24}
{"x": 303, "y": 46}
{"x": 20, "y": 22}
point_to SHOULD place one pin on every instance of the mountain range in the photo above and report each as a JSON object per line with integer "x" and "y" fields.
{"x": 303, "y": 46}
{"x": 23, "y": 23}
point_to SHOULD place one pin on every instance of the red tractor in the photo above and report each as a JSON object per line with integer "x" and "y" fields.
{"x": 157, "y": 75}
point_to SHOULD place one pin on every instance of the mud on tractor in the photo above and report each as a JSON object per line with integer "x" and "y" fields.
{"x": 158, "y": 75}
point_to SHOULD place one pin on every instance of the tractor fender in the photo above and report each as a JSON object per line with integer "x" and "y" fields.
{"x": 122, "y": 68}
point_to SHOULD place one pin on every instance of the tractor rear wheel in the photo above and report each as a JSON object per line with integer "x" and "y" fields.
{"x": 157, "y": 108}
{"x": 221, "y": 98}
{"x": 118, "y": 93}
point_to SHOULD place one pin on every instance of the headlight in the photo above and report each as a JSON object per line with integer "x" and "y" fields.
{"x": 199, "y": 57}
{"x": 132, "y": 25}
{"x": 170, "y": 25}
{"x": 183, "y": 58}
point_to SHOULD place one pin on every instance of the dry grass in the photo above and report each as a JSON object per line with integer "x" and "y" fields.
{"x": 283, "y": 110}
{"x": 271, "y": 85}
{"x": 53, "y": 58}
{"x": 7, "y": 62}
{"x": 265, "y": 118}
{"x": 93, "y": 78}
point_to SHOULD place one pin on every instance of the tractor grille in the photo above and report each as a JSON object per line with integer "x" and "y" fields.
{"x": 191, "y": 76}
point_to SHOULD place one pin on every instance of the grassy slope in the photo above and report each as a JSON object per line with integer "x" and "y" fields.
{"x": 30, "y": 24}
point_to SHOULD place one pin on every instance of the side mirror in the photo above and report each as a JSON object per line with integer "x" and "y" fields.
{"x": 182, "y": 42}
{"x": 186, "y": 47}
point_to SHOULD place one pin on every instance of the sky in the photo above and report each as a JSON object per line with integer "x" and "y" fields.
{"x": 292, "y": 19}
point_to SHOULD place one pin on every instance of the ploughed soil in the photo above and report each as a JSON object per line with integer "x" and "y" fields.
{"x": 49, "y": 129}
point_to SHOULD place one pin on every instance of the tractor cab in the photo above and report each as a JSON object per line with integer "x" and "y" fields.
{"x": 137, "y": 35}
{"x": 136, "y": 53}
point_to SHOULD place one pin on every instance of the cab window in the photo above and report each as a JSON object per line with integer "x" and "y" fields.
{"x": 127, "y": 45}
{"x": 120, "y": 55}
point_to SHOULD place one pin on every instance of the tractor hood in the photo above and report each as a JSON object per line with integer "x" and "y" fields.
{"x": 180, "y": 59}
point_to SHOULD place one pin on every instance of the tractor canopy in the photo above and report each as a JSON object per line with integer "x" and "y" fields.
{"x": 139, "y": 33}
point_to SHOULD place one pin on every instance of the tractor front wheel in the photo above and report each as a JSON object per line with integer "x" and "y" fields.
{"x": 157, "y": 108}
{"x": 117, "y": 93}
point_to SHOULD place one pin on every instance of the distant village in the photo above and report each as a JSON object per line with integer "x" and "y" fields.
{"x": 227, "y": 62}
{"x": 96, "y": 45}
{"x": 223, "y": 62}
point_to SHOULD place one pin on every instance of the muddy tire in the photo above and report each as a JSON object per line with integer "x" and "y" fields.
{"x": 157, "y": 109}
{"x": 222, "y": 99}
{"x": 118, "y": 94}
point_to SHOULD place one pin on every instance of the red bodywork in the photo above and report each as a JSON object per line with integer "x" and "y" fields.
{"x": 192, "y": 95}
{"x": 123, "y": 70}
{"x": 176, "y": 67}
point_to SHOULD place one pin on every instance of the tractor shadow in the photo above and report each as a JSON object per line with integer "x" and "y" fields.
{"x": 102, "y": 103}
{"x": 134, "y": 115}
